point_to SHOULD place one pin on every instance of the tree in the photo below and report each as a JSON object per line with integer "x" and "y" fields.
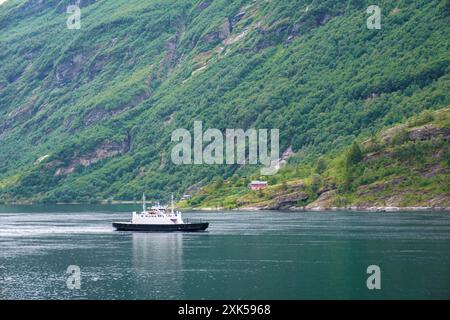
{"x": 321, "y": 165}
{"x": 218, "y": 182}
{"x": 272, "y": 180}
{"x": 354, "y": 155}
{"x": 316, "y": 183}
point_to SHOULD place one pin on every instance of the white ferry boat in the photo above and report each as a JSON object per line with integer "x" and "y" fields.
{"x": 158, "y": 219}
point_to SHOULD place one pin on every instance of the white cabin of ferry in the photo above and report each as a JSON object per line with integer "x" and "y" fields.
{"x": 157, "y": 215}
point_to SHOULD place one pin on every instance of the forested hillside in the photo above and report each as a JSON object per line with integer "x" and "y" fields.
{"x": 87, "y": 114}
{"x": 403, "y": 166}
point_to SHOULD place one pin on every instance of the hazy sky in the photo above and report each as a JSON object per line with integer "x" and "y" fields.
{"x": 1, "y": 1}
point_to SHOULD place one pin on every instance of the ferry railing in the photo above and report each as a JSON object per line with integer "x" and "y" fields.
{"x": 195, "y": 220}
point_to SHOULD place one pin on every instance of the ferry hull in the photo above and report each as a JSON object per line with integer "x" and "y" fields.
{"x": 187, "y": 227}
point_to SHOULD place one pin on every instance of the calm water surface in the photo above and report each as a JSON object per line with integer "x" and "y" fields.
{"x": 257, "y": 255}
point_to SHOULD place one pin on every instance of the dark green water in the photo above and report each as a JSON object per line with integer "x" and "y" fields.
{"x": 267, "y": 255}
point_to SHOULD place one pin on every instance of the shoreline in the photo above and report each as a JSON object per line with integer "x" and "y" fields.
{"x": 249, "y": 209}
{"x": 103, "y": 202}
{"x": 320, "y": 209}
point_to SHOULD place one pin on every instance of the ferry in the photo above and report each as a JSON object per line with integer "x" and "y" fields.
{"x": 158, "y": 218}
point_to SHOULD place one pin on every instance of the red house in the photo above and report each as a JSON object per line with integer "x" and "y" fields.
{"x": 258, "y": 185}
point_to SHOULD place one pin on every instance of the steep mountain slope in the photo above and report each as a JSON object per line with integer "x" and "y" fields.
{"x": 88, "y": 114}
{"x": 407, "y": 165}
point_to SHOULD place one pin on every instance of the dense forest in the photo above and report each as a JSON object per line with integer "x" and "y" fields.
{"x": 87, "y": 114}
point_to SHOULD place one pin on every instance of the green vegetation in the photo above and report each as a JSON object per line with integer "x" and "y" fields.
{"x": 88, "y": 114}
{"x": 381, "y": 171}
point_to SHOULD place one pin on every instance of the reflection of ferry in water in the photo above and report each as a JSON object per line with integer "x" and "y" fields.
{"x": 158, "y": 219}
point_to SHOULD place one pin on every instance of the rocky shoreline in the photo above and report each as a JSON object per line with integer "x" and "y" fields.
{"x": 322, "y": 209}
{"x": 267, "y": 208}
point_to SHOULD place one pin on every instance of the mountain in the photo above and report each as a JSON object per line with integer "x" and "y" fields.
{"x": 404, "y": 166}
{"x": 87, "y": 114}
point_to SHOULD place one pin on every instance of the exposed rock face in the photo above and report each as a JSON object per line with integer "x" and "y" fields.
{"x": 98, "y": 113}
{"x": 295, "y": 32}
{"x": 427, "y": 132}
{"x": 170, "y": 57}
{"x": 107, "y": 150}
{"x": 95, "y": 115}
{"x": 68, "y": 121}
{"x": 434, "y": 170}
{"x": 442, "y": 201}
{"x": 18, "y": 115}
{"x": 53, "y": 164}
{"x": 221, "y": 34}
{"x": 225, "y": 30}
{"x": 325, "y": 201}
{"x": 69, "y": 69}
{"x": 194, "y": 188}
{"x": 323, "y": 190}
{"x": 272, "y": 36}
{"x": 97, "y": 65}
{"x": 387, "y": 135}
{"x": 421, "y": 133}
{"x": 21, "y": 112}
{"x": 204, "y": 4}
{"x": 285, "y": 156}
{"x": 378, "y": 187}
{"x": 376, "y": 155}
{"x": 289, "y": 200}
{"x": 281, "y": 29}
{"x": 237, "y": 18}
{"x": 298, "y": 186}
{"x": 40, "y": 159}
{"x": 323, "y": 19}
{"x": 395, "y": 202}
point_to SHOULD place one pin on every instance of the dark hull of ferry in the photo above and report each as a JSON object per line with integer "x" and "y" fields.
{"x": 187, "y": 227}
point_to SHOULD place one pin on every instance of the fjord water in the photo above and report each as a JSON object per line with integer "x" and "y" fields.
{"x": 243, "y": 255}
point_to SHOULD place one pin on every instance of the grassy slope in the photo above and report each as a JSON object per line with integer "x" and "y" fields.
{"x": 139, "y": 69}
{"x": 396, "y": 169}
